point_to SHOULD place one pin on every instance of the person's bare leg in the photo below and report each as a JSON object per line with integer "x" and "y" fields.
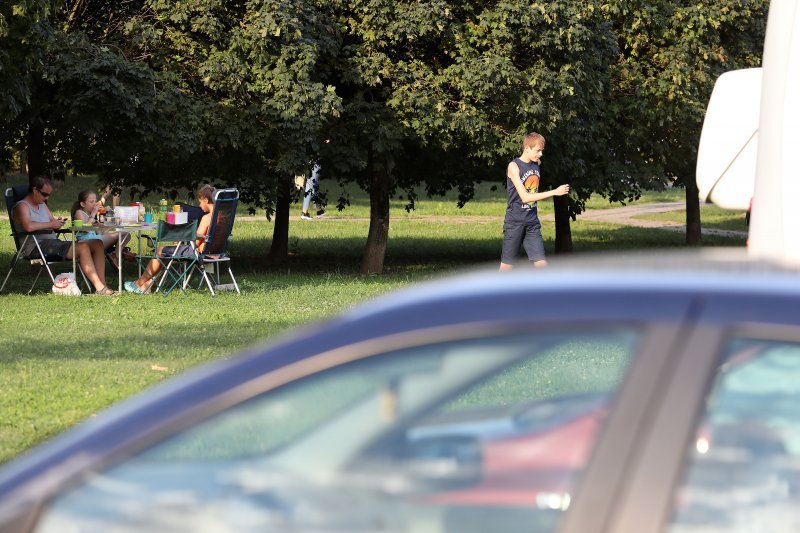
{"x": 109, "y": 240}
{"x": 99, "y": 258}
{"x": 540, "y": 263}
{"x": 505, "y": 266}
{"x": 149, "y": 273}
{"x": 87, "y": 264}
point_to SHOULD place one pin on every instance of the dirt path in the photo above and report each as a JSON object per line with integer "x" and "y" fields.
{"x": 626, "y": 215}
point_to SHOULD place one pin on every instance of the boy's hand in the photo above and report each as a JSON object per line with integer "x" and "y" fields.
{"x": 562, "y": 190}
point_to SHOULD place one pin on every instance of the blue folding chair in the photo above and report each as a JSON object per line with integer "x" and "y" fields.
{"x": 215, "y": 253}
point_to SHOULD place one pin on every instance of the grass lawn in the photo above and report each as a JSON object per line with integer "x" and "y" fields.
{"x": 64, "y": 359}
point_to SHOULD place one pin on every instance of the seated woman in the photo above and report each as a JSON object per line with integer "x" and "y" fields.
{"x": 86, "y": 209}
{"x": 144, "y": 284}
{"x": 32, "y": 214}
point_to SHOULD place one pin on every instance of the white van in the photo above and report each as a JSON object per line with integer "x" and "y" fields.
{"x": 750, "y": 144}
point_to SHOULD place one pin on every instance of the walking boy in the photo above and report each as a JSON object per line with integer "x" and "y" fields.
{"x": 521, "y": 225}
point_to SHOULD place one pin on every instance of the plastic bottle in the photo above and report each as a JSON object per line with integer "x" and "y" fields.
{"x": 162, "y": 207}
{"x": 141, "y": 211}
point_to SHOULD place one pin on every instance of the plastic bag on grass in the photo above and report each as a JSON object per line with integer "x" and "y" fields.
{"x": 65, "y": 284}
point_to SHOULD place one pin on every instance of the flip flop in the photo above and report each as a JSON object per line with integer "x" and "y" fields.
{"x": 105, "y": 291}
{"x": 131, "y": 286}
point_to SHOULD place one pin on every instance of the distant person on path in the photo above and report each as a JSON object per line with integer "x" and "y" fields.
{"x": 312, "y": 191}
{"x": 521, "y": 224}
{"x": 32, "y": 214}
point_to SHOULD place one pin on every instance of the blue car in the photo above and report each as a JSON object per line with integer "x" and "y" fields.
{"x": 640, "y": 394}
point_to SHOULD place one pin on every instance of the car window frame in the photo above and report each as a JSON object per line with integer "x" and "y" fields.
{"x": 654, "y": 475}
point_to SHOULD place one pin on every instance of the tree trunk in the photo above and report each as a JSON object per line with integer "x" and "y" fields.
{"x": 563, "y": 230}
{"x": 35, "y": 151}
{"x": 378, "y": 237}
{"x": 693, "y": 230}
{"x": 279, "y": 250}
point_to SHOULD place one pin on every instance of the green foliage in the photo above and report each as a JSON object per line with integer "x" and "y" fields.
{"x": 20, "y": 24}
{"x": 671, "y": 52}
{"x": 422, "y": 97}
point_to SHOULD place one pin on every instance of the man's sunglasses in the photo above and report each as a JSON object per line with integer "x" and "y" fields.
{"x": 45, "y": 194}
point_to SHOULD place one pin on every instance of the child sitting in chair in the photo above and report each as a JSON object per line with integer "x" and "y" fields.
{"x": 86, "y": 209}
{"x": 144, "y": 284}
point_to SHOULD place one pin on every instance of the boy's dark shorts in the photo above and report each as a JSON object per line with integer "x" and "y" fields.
{"x": 528, "y": 235}
{"x": 184, "y": 250}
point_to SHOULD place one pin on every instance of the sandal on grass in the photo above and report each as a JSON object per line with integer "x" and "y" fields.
{"x": 106, "y": 291}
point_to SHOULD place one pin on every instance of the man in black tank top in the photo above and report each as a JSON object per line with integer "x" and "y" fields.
{"x": 521, "y": 225}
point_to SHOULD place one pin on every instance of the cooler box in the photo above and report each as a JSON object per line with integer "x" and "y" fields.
{"x": 178, "y": 218}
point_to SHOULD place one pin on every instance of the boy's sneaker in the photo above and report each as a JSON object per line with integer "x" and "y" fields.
{"x": 320, "y": 213}
{"x": 306, "y": 216}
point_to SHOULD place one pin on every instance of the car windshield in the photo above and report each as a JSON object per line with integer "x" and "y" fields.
{"x": 436, "y": 434}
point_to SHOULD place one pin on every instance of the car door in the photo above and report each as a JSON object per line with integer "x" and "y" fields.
{"x": 720, "y": 451}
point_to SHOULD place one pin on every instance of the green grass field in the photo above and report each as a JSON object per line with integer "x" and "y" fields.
{"x": 64, "y": 359}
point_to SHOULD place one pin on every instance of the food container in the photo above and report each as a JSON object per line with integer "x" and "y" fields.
{"x": 127, "y": 215}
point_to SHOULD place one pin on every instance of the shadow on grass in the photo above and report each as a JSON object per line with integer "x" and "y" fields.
{"x": 150, "y": 345}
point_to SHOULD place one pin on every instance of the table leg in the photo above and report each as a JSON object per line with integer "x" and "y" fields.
{"x": 119, "y": 260}
{"x": 74, "y": 258}
{"x": 139, "y": 242}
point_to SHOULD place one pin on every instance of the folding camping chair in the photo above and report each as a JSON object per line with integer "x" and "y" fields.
{"x": 174, "y": 248}
{"x": 36, "y": 257}
{"x": 215, "y": 252}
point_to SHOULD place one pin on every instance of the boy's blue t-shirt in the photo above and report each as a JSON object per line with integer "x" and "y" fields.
{"x": 516, "y": 211}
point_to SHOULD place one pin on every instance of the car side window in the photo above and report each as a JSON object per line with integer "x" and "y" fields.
{"x": 743, "y": 473}
{"x": 468, "y": 435}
